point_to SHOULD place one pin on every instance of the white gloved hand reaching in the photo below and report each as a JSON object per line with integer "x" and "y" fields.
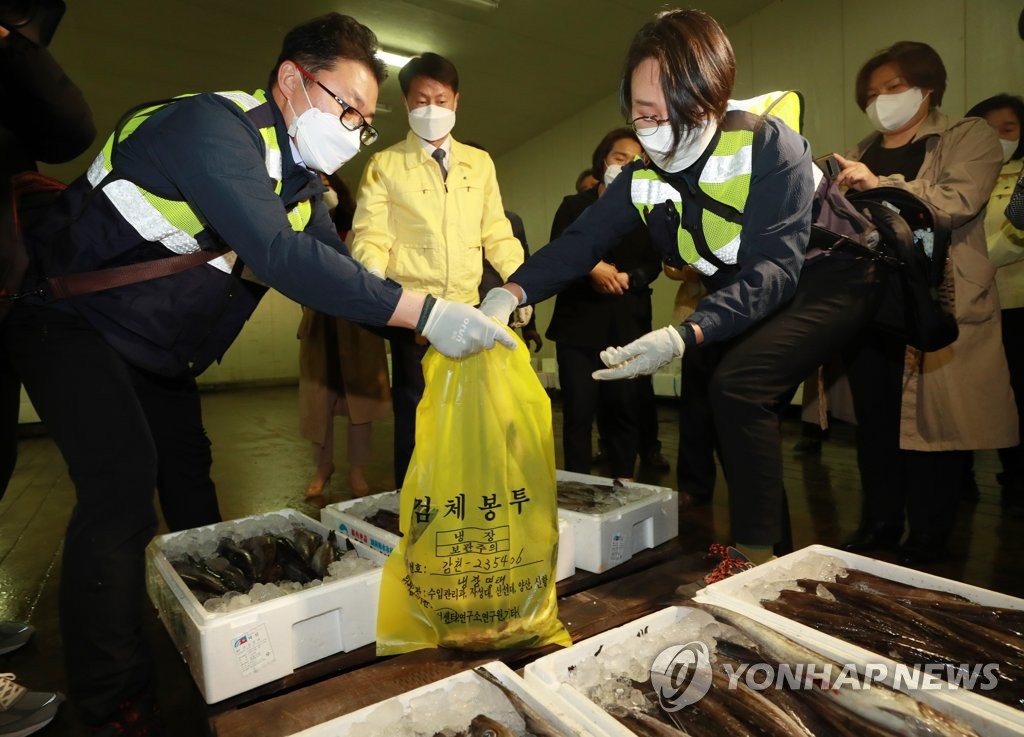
{"x": 458, "y": 330}
{"x": 501, "y": 304}
{"x": 643, "y": 356}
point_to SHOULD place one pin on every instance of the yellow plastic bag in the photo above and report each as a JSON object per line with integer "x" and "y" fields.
{"x": 474, "y": 569}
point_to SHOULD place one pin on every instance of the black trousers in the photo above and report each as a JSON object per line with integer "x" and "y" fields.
{"x": 122, "y": 433}
{"x": 407, "y": 385}
{"x": 753, "y": 373}
{"x": 1013, "y": 342}
{"x": 583, "y": 398}
{"x": 922, "y": 487}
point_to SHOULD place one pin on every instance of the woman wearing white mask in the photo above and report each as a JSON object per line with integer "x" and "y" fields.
{"x": 920, "y": 414}
{"x": 729, "y": 193}
{"x": 1005, "y": 113}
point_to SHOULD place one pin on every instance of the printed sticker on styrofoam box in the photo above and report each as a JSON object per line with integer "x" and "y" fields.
{"x": 253, "y": 650}
{"x": 618, "y": 547}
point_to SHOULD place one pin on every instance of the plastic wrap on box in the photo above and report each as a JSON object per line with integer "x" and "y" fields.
{"x": 603, "y": 541}
{"x": 463, "y": 696}
{"x": 231, "y": 652}
{"x": 989, "y": 717}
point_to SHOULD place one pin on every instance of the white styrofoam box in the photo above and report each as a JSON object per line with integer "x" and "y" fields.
{"x": 339, "y": 517}
{"x": 990, "y": 717}
{"x": 552, "y": 672}
{"x": 231, "y": 652}
{"x": 464, "y": 695}
{"x": 603, "y": 541}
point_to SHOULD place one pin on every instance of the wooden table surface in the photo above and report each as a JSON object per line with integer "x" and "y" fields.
{"x": 588, "y": 605}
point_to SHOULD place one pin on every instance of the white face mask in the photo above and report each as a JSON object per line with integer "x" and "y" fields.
{"x": 658, "y": 146}
{"x": 432, "y": 122}
{"x": 323, "y": 142}
{"x": 891, "y": 112}
{"x": 611, "y": 171}
{"x": 1009, "y": 147}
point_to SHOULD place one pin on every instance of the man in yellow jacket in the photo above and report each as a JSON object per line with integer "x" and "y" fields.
{"x": 425, "y": 209}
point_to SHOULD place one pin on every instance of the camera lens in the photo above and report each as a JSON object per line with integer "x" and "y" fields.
{"x": 15, "y": 13}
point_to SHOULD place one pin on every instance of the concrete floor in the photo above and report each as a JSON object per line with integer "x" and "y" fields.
{"x": 261, "y": 465}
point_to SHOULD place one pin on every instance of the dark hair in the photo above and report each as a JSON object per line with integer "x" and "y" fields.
{"x": 697, "y": 65}
{"x": 583, "y": 175}
{"x": 918, "y": 63}
{"x": 319, "y": 44}
{"x": 604, "y": 148}
{"x": 1002, "y": 102}
{"x": 431, "y": 65}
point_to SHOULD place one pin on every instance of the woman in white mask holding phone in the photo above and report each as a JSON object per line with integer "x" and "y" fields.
{"x": 921, "y": 414}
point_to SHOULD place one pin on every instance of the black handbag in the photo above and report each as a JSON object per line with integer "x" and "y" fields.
{"x": 915, "y": 238}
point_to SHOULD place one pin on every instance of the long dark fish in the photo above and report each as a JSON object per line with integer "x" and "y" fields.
{"x": 239, "y": 557}
{"x": 199, "y": 578}
{"x": 233, "y": 578}
{"x": 535, "y": 722}
{"x": 292, "y": 562}
{"x": 891, "y": 710}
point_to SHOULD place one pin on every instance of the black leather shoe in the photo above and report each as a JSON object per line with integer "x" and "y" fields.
{"x": 686, "y": 499}
{"x": 878, "y": 537}
{"x": 655, "y": 460}
{"x": 919, "y": 551}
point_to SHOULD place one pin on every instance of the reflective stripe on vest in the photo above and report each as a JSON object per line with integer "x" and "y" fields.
{"x": 726, "y": 178}
{"x": 173, "y": 223}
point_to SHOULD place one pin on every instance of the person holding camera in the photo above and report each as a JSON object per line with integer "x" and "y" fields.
{"x": 43, "y": 117}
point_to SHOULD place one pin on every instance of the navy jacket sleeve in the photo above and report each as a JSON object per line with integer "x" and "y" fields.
{"x": 581, "y": 245}
{"x": 44, "y": 109}
{"x": 776, "y": 229}
{"x": 207, "y": 152}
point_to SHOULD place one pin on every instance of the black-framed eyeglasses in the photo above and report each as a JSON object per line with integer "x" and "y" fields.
{"x": 645, "y": 125}
{"x": 351, "y": 118}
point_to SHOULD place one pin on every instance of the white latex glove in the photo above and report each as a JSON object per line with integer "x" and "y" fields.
{"x": 499, "y": 303}
{"x": 643, "y": 356}
{"x": 502, "y": 305}
{"x": 458, "y": 330}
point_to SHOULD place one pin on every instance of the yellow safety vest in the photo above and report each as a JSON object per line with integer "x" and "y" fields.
{"x": 173, "y": 222}
{"x": 725, "y": 179}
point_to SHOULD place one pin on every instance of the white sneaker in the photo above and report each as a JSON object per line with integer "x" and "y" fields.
{"x": 23, "y": 712}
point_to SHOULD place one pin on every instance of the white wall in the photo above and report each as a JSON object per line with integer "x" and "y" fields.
{"x": 809, "y": 45}
{"x": 815, "y": 46}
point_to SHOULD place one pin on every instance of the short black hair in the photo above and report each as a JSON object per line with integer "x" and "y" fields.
{"x": 319, "y": 43}
{"x": 583, "y": 175}
{"x": 1002, "y": 101}
{"x": 919, "y": 64}
{"x": 698, "y": 67}
{"x": 430, "y": 65}
{"x": 597, "y": 165}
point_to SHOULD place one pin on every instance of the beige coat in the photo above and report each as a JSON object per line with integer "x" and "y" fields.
{"x": 1006, "y": 243}
{"x": 959, "y": 398}
{"x": 347, "y": 375}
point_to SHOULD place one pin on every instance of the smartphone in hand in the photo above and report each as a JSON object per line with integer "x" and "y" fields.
{"x": 829, "y": 165}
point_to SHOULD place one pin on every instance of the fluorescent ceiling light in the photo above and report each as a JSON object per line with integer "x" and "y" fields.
{"x": 489, "y": 4}
{"x": 392, "y": 59}
{"x": 382, "y": 109}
